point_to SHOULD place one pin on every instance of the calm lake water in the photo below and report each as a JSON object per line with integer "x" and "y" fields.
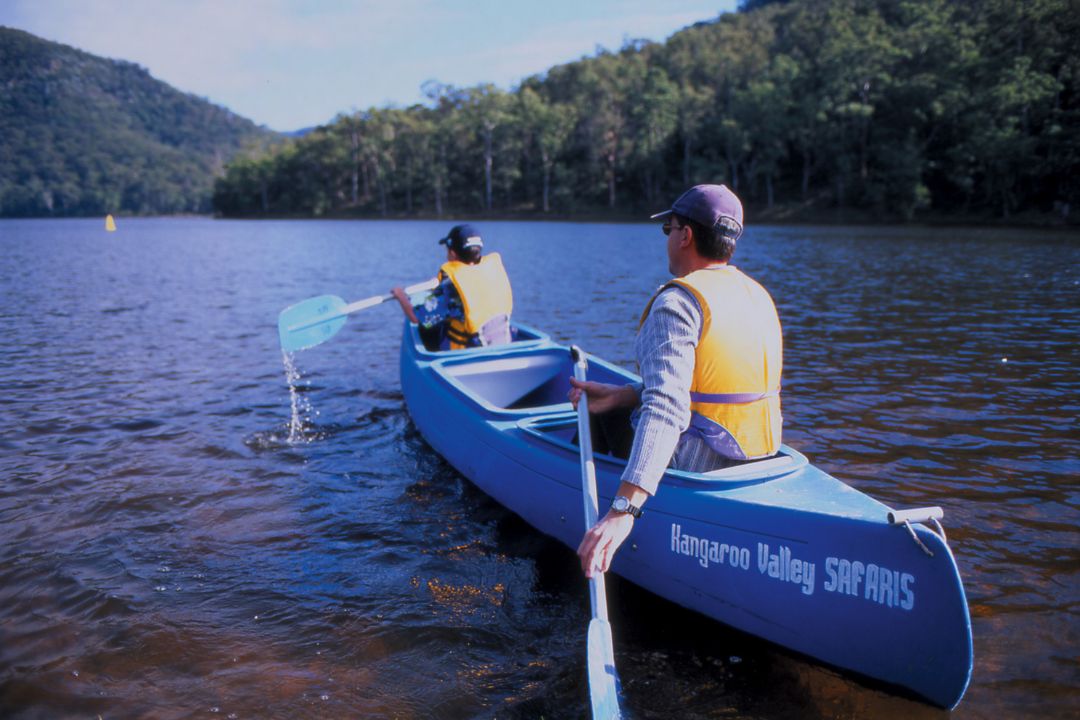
{"x": 167, "y": 551}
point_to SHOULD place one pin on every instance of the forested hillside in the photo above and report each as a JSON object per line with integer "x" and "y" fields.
{"x": 890, "y": 108}
{"x": 84, "y": 135}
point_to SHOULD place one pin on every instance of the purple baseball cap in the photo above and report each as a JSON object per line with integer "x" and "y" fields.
{"x": 461, "y": 237}
{"x": 714, "y": 206}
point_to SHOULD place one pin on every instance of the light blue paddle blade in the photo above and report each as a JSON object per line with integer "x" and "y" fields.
{"x": 310, "y": 322}
{"x": 603, "y": 680}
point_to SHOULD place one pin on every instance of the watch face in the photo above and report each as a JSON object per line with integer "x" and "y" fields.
{"x": 622, "y": 505}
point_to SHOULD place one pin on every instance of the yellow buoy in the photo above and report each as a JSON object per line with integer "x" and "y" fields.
{"x": 110, "y": 224}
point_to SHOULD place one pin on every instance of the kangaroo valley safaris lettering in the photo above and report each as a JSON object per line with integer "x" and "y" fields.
{"x": 782, "y": 566}
{"x": 708, "y": 551}
{"x": 879, "y": 584}
{"x": 865, "y": 581}
{"x": 779, "y": 566}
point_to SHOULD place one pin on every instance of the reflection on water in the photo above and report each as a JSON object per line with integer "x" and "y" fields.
{"x": 182, "y": 533}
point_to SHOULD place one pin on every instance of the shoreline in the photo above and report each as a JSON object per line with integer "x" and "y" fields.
{"x": 794, "y": 213}
{"x": 756, "y": 217}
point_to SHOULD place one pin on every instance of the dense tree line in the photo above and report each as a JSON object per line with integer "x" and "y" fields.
{"x": 891, "y": 106}
{"x": 84, "y": 135}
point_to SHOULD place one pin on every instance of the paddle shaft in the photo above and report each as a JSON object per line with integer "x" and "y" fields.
{"x": 361, "y": 304}
{"x": 597, "y": 589}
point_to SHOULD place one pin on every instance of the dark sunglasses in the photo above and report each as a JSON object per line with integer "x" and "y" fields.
{"x": 668, "y": 227}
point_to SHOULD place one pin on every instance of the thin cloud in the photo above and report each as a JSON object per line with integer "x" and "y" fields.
{"x": 290, "y": 64}
{"x": 572, "y": 41}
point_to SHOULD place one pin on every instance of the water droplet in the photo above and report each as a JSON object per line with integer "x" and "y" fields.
{"x": 74, "y": 673}
{"x": 256, "y": 617}
{"x": 300, "y": 405}
{"x": 215, "y": 709}
{"x": 1005, "y": 359}
{"x": 734, "y": 659}
{"x": 161, "y": 588}
{"x": 324, "y": 697}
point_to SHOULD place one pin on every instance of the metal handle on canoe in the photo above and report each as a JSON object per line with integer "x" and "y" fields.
{"x": 919, "y": 515}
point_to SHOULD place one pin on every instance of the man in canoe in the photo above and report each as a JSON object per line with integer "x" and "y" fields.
{"x": 471, "y": 305}
{"x": 709, "y": 350}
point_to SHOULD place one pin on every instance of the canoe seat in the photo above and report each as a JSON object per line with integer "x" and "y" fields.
{"x": 519, "y": 382}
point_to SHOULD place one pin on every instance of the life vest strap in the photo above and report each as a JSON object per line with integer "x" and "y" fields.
{"x": 458, "y": 336}
{"x": 731, "y": 398}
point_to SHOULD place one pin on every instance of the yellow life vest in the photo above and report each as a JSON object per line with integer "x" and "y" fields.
{"x": 485, "y": 294}
{"x": 735, "y": 392}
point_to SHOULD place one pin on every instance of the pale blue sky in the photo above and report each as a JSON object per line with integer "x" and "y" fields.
{"x": 290, "y": 64}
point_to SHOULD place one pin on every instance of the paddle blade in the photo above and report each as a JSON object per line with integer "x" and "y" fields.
{"x": 308, "y": 323}
{"x": 603, "y": 680}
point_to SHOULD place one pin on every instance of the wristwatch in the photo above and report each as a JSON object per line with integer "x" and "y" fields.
{"x": 622, "y": 505}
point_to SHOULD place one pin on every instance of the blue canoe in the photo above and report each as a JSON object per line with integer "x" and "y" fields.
{"x": 777, "y": 548}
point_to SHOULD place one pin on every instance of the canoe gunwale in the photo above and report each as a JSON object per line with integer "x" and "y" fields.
{"x": 412, "y": 336}
{"x": 726, "y": 478}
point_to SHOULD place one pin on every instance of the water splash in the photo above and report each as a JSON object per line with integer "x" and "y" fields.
{"x": 301, "y": 409}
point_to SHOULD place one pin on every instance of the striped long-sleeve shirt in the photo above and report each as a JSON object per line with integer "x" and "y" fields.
{"x": 665, "y": 350}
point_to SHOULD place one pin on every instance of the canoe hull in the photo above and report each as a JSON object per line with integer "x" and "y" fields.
{"x": 787, "y": 553}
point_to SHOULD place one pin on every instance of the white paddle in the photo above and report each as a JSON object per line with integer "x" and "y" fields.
{"x": 603, "y": 679}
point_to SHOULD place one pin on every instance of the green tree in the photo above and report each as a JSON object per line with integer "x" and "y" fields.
{"x": 484, "y": 109}
{"x": 766, "y": 107}
{"x": 549, "y": 126}
{"x": 653, "y": 120}
{"x": 890, "y": 106}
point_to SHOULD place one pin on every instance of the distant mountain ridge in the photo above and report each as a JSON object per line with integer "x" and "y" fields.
{"x": 86, "y": 135}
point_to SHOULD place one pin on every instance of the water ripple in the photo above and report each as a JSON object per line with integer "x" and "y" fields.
{"x": 188, "y": 528}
